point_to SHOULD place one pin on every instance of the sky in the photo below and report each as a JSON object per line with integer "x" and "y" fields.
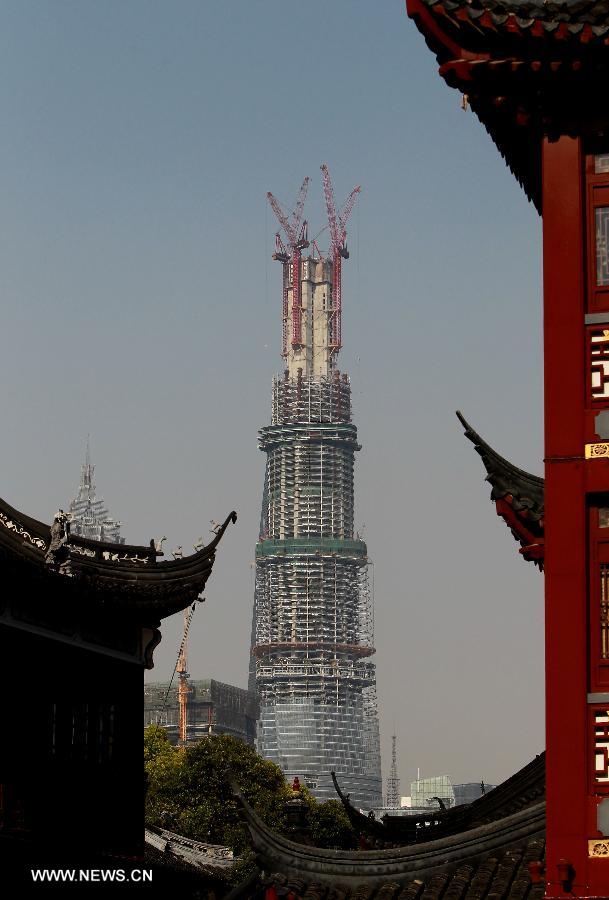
{"x": 139, "y": 303}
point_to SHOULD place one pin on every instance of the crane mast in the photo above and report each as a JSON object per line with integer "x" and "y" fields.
{"x": 338, "y": 232}
{"x": 289, "y": 254}
{"x": 295, "y": 231}
{"x": 184, "y": 688}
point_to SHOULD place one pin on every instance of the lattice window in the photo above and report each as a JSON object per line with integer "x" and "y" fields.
{"x": 599, "y": 364}
{"x": 601, "y": 164}
{"x": 601, "y": 746}
{"x": 604, "y": 611}
{"x": 601, "y": 223}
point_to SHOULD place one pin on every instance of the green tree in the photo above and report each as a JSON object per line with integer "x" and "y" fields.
{"x": 189, "y": 790}
{"x": 330, "y": 826}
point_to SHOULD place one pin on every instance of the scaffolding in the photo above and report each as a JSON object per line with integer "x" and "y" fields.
{"x": 313, "y": 624}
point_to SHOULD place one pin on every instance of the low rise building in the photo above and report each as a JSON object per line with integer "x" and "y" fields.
{"x": 213, "y": 708}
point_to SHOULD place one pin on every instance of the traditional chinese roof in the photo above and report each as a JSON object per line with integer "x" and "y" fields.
{"x": 523, "y": 789}
{"x": 502, "y": 875}
{"x": 122, "y": 577}
{"x": 529, "y": 68}
{"x": 463, "y": 865}
{"x": 518, "y": 497}
{"x": 200, "y": 855}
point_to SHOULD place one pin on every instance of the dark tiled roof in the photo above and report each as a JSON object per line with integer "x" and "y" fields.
{"x": 529, "y": 70}
{"x": 498, "y": 876}
{"x": 369, "y": 870}
{"x": 574, "y": 13}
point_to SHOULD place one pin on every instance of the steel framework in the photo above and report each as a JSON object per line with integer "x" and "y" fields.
{"x": 312, "y": 634}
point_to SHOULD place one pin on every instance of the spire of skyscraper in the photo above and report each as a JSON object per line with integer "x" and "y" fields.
{"x": 90, "y": 517}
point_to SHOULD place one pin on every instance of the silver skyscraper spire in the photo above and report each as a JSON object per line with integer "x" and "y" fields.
{"x": 89, "y": 516}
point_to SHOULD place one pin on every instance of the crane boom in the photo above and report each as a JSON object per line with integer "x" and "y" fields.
{"x": 338, "y": 233}
{"x": 330, "y": 207}
{"x": 282, "y": 219}
{"x": 346, "y": 212}
{"x": 291, "y": 225}
{"x": 297, "y": 214}
{"x": 296, "y": 233}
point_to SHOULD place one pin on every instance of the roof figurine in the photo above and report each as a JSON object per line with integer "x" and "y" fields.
{"x": 58, "y": 552}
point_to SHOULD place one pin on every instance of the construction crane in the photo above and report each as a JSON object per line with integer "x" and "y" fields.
{"x": 295, "y": 230}
{"x": 184, "y": 688}
{"x": 338, "y": 232}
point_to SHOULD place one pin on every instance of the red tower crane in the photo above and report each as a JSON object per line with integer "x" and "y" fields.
{"x": 295, "y": 231}
{"x": 338, "y": 232}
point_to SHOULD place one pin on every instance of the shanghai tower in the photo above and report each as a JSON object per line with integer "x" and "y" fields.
{"x": 312, "y": 633}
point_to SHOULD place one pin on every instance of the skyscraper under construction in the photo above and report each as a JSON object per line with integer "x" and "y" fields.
{"x": 312, "y": 633}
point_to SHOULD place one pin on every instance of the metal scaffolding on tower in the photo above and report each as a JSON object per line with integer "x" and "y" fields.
{"x": 312, "y": 635}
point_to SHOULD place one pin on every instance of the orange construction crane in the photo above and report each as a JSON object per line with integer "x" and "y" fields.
{"x": 184, "y": 688}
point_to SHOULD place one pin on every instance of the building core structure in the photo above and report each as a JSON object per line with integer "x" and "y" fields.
{"x": 213, "y": 708}
{"x": 312, "y": 634}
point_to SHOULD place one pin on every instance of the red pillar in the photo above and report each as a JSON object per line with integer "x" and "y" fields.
{"x": 576, "y": 488}
{"x": 565, "y": 559}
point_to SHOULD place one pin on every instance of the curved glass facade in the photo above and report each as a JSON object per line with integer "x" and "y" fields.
{"x": 312, "y": 635}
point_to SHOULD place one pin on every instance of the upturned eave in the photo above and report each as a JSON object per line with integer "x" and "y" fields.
{"x": 528, "y": 71}
{"x": 112, "y": 577}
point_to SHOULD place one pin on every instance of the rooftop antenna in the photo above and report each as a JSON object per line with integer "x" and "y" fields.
{"x": 393, "y": 782}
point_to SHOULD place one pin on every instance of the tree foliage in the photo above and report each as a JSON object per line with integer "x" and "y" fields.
{"x": 189, "y": 792}
{"x": 330, "y": 827}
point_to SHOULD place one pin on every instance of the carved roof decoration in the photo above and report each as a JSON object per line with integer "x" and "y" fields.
{"x": 518, "y": 497}
{"x": 121, "y": 577}
{"x": 528, "y": 68}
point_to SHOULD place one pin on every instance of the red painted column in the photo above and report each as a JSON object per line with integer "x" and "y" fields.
{"x": 565, "y": 517}
{"x": 576, "y": 340}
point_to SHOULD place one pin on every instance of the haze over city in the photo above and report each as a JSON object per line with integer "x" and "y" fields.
{"x": 141, "y": 305}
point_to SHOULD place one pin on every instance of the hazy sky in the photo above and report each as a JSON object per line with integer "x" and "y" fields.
{"x": 140, "y": 304}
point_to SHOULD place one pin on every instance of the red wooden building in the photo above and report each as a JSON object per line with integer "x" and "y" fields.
{"x": 536, "y": 73}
